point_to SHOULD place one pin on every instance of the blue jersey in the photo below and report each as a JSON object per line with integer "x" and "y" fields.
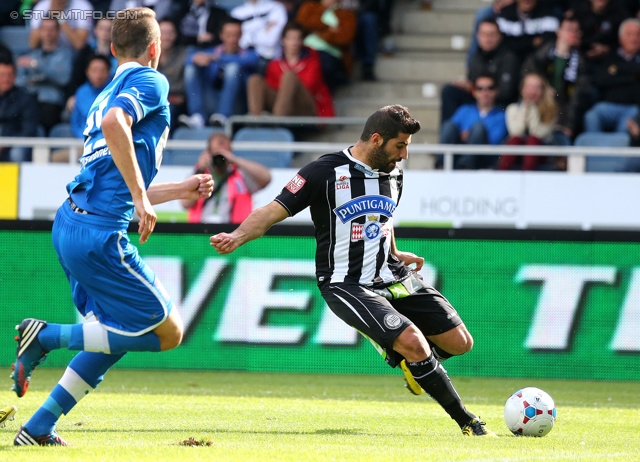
{"x": 141, "y": 92}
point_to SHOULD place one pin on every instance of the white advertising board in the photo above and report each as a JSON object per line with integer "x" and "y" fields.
{"x": 458, "y": 199}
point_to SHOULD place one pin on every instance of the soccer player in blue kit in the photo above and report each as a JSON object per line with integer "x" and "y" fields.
{"x": 125, "y": 305}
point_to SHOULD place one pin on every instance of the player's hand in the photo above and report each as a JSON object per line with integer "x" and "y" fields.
{"x": 148, "y": 217}
{"x": 224, "y": 243}
{"x": 409, "y": 258}
{"x": 198, "y": 186}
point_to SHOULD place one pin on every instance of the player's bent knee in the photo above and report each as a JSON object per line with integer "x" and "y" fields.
{"x": 412, "y": 344}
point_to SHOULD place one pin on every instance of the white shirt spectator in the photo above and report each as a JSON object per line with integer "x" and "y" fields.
{"x": 76, "y": 21}
{"x": 262, "y": 25}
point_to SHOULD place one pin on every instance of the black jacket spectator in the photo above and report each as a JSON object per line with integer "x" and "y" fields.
{"x": 599, "y": 28}
{"x": 201, "y": 24}
{"x": 525, "y": 31}
{"x": 618, "y": 78}
{"x": 501, "y": 63}
{"x": 19, "y": 114}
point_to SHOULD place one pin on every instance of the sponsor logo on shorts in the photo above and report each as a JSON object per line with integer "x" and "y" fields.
{"x": 295, "y": 184}
{"x": 392, "y": 321}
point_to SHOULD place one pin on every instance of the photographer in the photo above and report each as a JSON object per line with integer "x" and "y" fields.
{"x": 235, "y": 180}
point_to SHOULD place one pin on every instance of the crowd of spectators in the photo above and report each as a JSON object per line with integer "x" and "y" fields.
{"x": 576, "y": 64}
{"x": 538, "y": 71}
{"x": 249, "y": 57}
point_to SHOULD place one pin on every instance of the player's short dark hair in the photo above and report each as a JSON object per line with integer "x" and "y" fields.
{"x": 103, "y": 58}
{"x": 133, "y": 31}
{"x": 388, "y": 122}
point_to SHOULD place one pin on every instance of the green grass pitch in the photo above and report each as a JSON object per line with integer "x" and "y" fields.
{"x": 149, "y": 415}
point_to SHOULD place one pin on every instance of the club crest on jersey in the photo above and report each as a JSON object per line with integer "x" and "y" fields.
{"x": 343, "y": 182}
{"x": 295, "y": 184}
{"x": 364, "y": 205}
{"x": 371, "y": 230}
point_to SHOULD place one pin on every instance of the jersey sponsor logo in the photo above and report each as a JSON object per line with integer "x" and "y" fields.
{"x": 392, "y": 321}
{"x": 364, "y": 170}
{"x": 295, "y": 184}
{"x": 364, "y": 205}
{"x": 343, "y": 183}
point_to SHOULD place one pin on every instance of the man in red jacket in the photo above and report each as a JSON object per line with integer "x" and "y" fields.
{"x": 293, "y": 84}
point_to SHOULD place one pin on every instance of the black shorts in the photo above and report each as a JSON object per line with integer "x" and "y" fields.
{"x": 382, "y": 320}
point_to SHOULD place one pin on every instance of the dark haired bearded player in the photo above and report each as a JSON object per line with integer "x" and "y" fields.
{"x": 363, "y": 277}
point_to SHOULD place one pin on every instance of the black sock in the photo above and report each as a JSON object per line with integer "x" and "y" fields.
{"x": 434, "y": 380}
{"x": 439, "y": 353}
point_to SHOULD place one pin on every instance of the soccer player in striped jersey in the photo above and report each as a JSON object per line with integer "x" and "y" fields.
{"x": 364, "y": 278}
{"x": 126, "y": 306}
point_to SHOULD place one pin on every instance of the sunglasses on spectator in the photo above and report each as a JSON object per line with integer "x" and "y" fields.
{"x": 492, "y": 87}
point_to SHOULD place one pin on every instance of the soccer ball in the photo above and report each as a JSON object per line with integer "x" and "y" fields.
{"x": 530, "y": 412}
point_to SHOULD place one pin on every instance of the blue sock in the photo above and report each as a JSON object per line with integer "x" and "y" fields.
{"x": 91, "y": 336}
{"x": 55, "y": 336}
{"x": 85, "y": 372}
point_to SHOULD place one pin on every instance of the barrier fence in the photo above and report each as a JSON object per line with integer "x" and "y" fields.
{"x": 576, "y": 155}
{"x": 540, "y": 304}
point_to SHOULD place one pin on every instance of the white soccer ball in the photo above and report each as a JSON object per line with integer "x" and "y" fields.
{"x": 530, "y": 412}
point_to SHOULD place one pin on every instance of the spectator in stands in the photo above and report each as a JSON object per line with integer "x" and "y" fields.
{"x": 200, "y": 26}
{"x": 18, "y": 113}
{"x": 98, "y": 75}
{"x": 331, "y": 32}
{"x": 5, "y": 54}
{"x": 99, "y": 44}
{"x": 599, "y": 21}
{"x": 236, "y": 180}
{"x": 262, "y": 24}
{"x": 563, "y": 65}
{"x": 162, "y": 8}
{"x": 491, "y": 13}
{"x": 171, "y": 64}
{"x": 74, "y": 28}
{"x": 493, "y": 58}
{"x": 479, "y": 123}
{"x": 46, "y": 72}
{"x": 616, "y": 79}
{"x": 527, "y": 24}
{"x": 292, "y": 84}
{"x": 216, "y": 79}
{"x": 530, "y": 121}
{"x": 370, "y": 14}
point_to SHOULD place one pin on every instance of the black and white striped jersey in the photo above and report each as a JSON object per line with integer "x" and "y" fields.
{"x": 352, "y": 210}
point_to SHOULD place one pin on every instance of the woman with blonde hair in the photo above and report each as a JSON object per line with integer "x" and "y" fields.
{"x": 530, "y": 121}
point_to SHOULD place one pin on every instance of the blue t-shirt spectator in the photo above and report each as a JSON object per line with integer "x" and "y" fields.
{"x": 467, "y": 115}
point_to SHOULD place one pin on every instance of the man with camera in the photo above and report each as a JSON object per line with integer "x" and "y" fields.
{"x": 236, "y": 179}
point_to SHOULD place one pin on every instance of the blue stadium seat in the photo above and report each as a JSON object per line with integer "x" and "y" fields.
{"x": 602, "y": 139}
{"x": 16, "y": 38}
{"x": 272, "y": 159}
{"x": 188, "y": 156}
{"x": 61, "y": 130}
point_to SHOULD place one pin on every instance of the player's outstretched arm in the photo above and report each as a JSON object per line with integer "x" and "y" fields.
{"x": 254, "y": 226}
{"x": 193, "y": 188}
{"x": 116, "y": 128}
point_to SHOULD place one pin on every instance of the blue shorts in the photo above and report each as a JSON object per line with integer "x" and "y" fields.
{"x": 107, "y": 276}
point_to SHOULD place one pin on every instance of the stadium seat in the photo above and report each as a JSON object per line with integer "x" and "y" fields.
{"x": 16, "y": 38}
{"x": 601, "y": 139}
{"x": 61, "y": 130}
{"x": 272, "y": 159}
{"x": 188, "y": 156}
{"x": 227, "y": 4}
